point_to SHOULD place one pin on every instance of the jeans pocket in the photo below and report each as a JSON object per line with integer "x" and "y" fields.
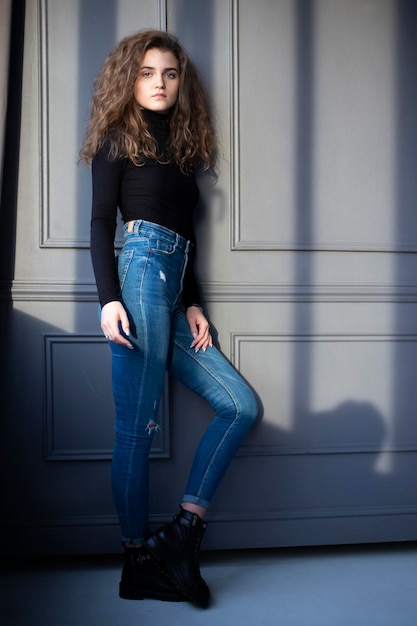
{"x": 123, "y": 262}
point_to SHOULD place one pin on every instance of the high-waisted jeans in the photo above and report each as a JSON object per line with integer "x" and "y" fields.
{"x": 151, "y": 268}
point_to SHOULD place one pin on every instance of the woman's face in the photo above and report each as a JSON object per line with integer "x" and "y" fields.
{"x": 158, "y": 81}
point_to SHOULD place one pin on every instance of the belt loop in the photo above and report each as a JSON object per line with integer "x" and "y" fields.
{"x": 138, "y": 224}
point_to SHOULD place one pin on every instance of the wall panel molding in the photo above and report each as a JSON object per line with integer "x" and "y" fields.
{"x": 161, "y": 8}
{"x": 304, "y": 63}
{"x": 329, "y": 512}
{"x": 77, "y": 368}
{"x": 76, "y": 291}
{"x": 291, "y": 443}
{"x": 47, "y": 238}
{"x": 101, "y": 534}
{"x": 224, "y": 516}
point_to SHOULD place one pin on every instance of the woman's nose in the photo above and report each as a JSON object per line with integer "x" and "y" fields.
{"x": 160, "y": 82}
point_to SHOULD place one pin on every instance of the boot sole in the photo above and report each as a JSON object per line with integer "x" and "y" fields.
{"x": 136, "y": 593}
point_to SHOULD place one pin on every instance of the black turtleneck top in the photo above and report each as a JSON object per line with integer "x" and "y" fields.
{"x": 155, "y": 192}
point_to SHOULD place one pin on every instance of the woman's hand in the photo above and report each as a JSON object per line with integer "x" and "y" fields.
{"x": 114, "y": 316}
{"x": 200, "y": 329}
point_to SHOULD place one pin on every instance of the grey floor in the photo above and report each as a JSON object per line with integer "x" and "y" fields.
{"x": 337, "y": 586}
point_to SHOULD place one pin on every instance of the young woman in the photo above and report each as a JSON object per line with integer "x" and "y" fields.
{"x": 148, "y": 135}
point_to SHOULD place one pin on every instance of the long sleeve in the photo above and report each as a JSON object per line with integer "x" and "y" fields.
{"x": 191, "y": 294}
{"x": 106, "y": 177}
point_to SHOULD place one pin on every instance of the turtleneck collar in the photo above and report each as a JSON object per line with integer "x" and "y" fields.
{"x": 158, "y": 122}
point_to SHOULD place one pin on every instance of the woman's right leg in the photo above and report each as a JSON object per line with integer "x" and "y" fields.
{"x": 149, "y": 273}
{"x": 137, "y": 387}
{"x": 138, "y": 377}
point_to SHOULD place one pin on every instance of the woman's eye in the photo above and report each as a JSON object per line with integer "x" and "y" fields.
{"x": 171, "y": 75}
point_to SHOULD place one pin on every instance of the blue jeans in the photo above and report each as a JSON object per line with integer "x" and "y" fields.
{"x": 151, "y": 268}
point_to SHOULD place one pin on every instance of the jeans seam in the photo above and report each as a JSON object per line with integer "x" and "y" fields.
{"x": 228, "y": 430}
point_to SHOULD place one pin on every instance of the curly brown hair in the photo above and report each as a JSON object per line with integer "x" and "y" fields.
{"x": 116, "y": 115}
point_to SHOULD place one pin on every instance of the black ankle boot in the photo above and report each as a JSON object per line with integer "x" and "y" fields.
{"x": 143, "y": 577}
{"x": 177, "y": 545}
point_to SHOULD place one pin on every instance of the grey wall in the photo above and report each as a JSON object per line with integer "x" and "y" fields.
{"x": 307, "y": 261}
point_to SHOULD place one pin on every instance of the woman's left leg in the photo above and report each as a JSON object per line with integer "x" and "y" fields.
{"x": 214, "y": 378}
{"x": 211, "y": 375}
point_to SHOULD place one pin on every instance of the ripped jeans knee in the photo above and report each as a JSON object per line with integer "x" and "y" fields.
{"x": 152, "y": 427}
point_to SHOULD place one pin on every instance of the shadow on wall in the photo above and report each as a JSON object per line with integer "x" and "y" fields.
{"x": 56, "y": 428}
{"x": 406, "y": 220}
{"x": 40, "y": 494}
{"x": 9, "y": 182}
{"x": 332, "y": 469}
{"x": 58, "y": 418}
